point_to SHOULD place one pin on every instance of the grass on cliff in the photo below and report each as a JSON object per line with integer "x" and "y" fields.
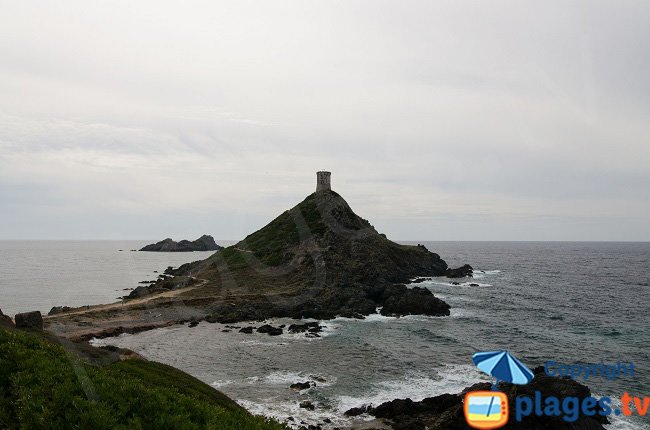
{"x": 271, "y": 243}
{"x": 41, "y": 388}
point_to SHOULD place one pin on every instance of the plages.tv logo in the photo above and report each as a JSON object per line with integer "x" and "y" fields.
{"x": 489, "y": 409}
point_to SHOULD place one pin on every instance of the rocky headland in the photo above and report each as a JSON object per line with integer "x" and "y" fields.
{"x": 203, "y": 243}
{"x": 317, "y": 260}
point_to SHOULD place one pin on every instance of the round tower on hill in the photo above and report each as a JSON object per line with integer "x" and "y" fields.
{"x": 323, "y": 181}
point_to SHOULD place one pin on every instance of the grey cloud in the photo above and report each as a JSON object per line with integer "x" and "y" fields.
{"x": 440, "y": 119}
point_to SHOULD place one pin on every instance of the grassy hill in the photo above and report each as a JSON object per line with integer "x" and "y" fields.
{"x": 44, "y": 387}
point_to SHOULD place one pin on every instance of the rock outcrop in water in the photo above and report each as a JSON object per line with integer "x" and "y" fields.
{"x": 461, "y": 272}
{"x": 445, "y": 412}
{"x": 203, "y": 243}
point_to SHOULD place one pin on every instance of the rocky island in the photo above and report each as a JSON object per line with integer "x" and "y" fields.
{"x": 203, "y": 243}
{"x": 317, "y": 260}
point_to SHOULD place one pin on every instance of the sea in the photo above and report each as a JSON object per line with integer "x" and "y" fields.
{"x": 565, "y": 302}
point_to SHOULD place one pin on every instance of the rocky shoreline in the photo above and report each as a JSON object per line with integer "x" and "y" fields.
{"x": 445, "y": 411}
{"x": 441, "y": 412}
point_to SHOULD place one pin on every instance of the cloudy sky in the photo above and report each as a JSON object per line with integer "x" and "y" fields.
{"x": 440, "y": 120}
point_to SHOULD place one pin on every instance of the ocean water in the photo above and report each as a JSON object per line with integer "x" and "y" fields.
{"x": 567, "y": 302}
{"x": 36, "y": 275}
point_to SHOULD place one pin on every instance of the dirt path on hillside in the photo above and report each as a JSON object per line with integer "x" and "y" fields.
{"x": 127, "y": 304}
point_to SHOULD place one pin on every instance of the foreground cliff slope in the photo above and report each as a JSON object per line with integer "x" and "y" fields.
{"x": 43, "y": 386}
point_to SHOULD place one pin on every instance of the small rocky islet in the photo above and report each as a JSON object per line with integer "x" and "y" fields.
{"x": 203, "y": 243}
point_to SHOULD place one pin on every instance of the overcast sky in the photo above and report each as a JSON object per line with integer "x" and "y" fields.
{"x": 439, "y": 120}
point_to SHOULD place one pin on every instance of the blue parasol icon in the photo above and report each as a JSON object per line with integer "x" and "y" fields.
{"x": 503, "y": 366}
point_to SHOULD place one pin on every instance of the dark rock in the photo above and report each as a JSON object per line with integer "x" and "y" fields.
{"x": 299, "y": 386}
{"x": 140, "y": 291}
{"x": 247, "y": 330}
{"x": 446, "y": 411}
{"x": 473, "y": 285}
{"x": 418, "y": 280}
{"x": 461, "y": 272}
{"x": 161, "y": 285}
{"x": 412, "y": 301}
{"x": 30, "y": 320}
{"x": 270, "y": 330}
{"x": 306, "y": 404}
{"x": 353, "y": 412}
{"x": 5, "y": 319}
{"x": 59, "y": 309}
{"x": 313, "y": 327}
{"x": 204, "y": 243}
{"x": 455, "y": 283}
{"x": 193, "y": 324}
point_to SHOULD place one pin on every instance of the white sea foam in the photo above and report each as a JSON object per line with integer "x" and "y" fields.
{"x": 221, "y": 383}
{"x": 252, "y": 379}
{"x": 282, "y": 410}
{"x": 450, "y": 379}
{"x": 256, "y": 342}
{"x": 338, "y": 322}
{"x": 479, "y": 274}
{"x": 288, "y": 377}
{"x": 461, "y": 313}
{"x": 448, "y": 283}
{"x": 327, "y": 329}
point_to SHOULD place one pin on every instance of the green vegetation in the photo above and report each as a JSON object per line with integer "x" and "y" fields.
{"x": 44, "y": 387}
{"x": 271, "y": 243}
{"x": 233, "y": 257}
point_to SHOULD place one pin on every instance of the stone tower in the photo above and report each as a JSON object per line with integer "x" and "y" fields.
{"x": 323, "y": 181}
